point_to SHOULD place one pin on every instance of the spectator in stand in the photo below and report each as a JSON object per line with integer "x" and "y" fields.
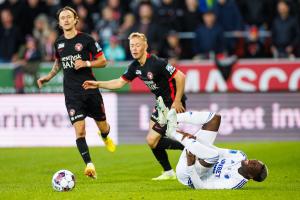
{"x": 124, "y": 31}
{"x": 147, "y": 25}
{"x": 41, "y": 29}
{"x": 28, "y": 62}
{"x": 85, "y": 18}
{"x": 47, "y": 50}
{"x": 253, "y": 46}
{"x": 30, "y": 10}
{"x": 257, "y": 13}
{"x": 52, "y": 6}
{"x": 107, "y": 26}
{"x": 209, "y": 38}
{"x": 15, "y": 6}
{"x": 169, "y": 15}
{"x": 229, "y": 17}
{"x": 285, "y": 32}
{"x": 172, "y": 48}
{"x": 192, "y": 18}
{"x": 114, "y": 51}
{"x": 93, "y": 9}
{"x": 117, "y": 9}
{"x": 125, "y": 27}
{"x": 10, "y": 37}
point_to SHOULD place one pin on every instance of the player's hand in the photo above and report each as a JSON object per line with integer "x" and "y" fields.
{"x": 90, "y": 85}
{"x": 177, "y": 105}
{"x": 42, "y": 80}
{"x": 191, "y": 158}
{"x": 79, "y": 64}
{"x": 186, "y": 135}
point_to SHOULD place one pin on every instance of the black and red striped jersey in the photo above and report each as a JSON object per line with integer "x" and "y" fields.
{"x": 83, "y": 47}
{"x": 157, "y": 74}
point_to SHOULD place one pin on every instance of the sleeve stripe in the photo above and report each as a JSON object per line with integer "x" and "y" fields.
{"x": 174, "y": 73}
{"x": 99, "y": 54}
{"x": 240, "y": 184}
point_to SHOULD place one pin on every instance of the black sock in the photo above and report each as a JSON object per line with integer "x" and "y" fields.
{"x": 104, "y": 135}
{"x": 167, "y": 143}
{"x": 83, "y": 150}
{"x": 162, "y": 157}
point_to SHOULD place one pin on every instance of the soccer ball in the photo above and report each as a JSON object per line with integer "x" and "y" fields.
{"x": 63, "y": 180}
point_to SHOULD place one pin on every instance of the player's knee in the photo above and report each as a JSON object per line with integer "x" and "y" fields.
{"x": 80, "y": 133}
{"x": 213, "y": 124}
{"x": 151, "y": 141}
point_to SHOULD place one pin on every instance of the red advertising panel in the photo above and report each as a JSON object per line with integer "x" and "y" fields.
{"x": 246, "y": 76}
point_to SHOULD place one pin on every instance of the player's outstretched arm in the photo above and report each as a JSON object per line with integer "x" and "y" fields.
{"x": 55, "y": 69}
{"x": 111, "y": 84}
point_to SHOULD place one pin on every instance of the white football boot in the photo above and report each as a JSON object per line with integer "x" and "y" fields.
{"x": 162, "y": 111}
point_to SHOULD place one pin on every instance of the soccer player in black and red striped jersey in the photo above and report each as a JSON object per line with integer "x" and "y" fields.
{"x": 163, "y": 80}
{"x": 76, "y": 54}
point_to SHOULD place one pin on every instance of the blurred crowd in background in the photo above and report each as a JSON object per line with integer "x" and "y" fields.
{"x": 176, "y": 29}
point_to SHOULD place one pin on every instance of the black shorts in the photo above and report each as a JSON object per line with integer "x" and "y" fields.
{"x": 80, "y": 106}
{"x": 168, "y": 104}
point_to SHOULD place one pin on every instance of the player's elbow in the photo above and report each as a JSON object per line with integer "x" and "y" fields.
{"x": 104, "y": 63}
{"x": 180, "y": 76}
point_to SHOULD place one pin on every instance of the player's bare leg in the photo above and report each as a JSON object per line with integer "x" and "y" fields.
{"x": 104, "y": 129}
{"x": 90, "y": 170}
{"x": 158, "y": 145}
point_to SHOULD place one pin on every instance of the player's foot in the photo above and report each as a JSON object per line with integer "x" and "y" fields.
{"x": 109, "y": 143}
{"x": 167, "y": 175}
{"x": 172, "y": 123}
{"x": 162, "y": 111}
{"x": 90, "y": 171}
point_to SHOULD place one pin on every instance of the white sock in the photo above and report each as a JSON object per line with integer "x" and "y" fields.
{"x": 200, "y": 150}
{"x": 206, "y": 137}
{"x": 195, "y": 117}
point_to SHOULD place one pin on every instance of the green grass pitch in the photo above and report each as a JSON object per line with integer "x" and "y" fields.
{"x": 25, "y": 173}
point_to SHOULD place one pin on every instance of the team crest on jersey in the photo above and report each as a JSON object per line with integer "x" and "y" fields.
{"x": 60, "y": 45}
{"x": 71, "y": 112}
{"x": 150, "y": 75}
{"x": 78, "y": 46}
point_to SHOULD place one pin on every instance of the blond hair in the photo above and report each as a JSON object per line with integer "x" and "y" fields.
{"x": 138, "y": 35}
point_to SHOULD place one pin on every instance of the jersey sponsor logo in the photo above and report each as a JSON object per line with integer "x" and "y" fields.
{"x": 138, "y": 72}
{"x": 72, "y": 112}
{"x": 68, "y": 61}
{"x": 98, "y": 47}
{"x": 150, "y": 75}
{"x": 76, "y": 117}
{"x": 151, "y": 85}
{"x": 170, "y": 69}
{"x": 60, "y": 45}
{"x": 219, "y": 167}
{"x": 78, "y": 47}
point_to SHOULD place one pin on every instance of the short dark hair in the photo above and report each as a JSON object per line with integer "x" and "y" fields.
{"x": 69, "y": 9}
{"x": 262, "y": 175}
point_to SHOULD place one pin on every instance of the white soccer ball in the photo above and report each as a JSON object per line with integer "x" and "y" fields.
{"x": 63, "y": 180}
